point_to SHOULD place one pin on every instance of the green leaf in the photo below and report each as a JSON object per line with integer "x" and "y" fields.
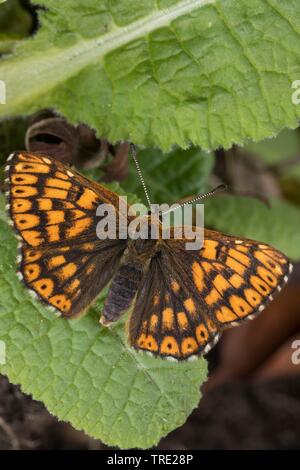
{"x": 170, "y": 176}
{"x": 87, "y": 374}
{"x": 247, "y": 217}
{"x": 280, "y": 150}
{"x": 283, "y": 147}
{"x": 208, "y": 72}
{"x": 15, "y": 21}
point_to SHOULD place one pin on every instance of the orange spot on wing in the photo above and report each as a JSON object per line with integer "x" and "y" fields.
{"x": 44, "y": 287}
{"x": 268, "y": 262}
{"x": 189, "y": 346}
{"x": 190, "y": 306}
{"x": 67, "y": 271}
{"x": 31, "y": 168}
{"x": 24, "y": 191}
{"x": 32, "y": 255}
{"x": 276, "y": 255}
{"x": 58, "y": 183}
{"x": 261, "y": 286}
{"x": 56, "y": 261}
{"x": 212, "y": 297}
{"x": 21, "y": 205}
{"x": 78, "y": 227}
{"x": 267, "y": 276}
{"x": 241, "y": 257}
{"x": 88, "y": 246}
{"x": 88, "y": 200}
{"x": 209, "y": 249}
{"x": 61, "y": 302}
{"x": 55, "y": 217}
{"x": 235, "y": 266}
{"x": 253, "y": 297}
{"x": 53, "y": 233}
{"x": 240, "y": 307}
{"x": 225, "y": 315}
{"x": 53, "y": 193}
{"x": 182, "y": 320}
{"x": 29, "y": 158}
{"x": 45, "y": 204}
{"x": 236, "y": 281}
{"x": 221, "y": 284}
{"x": 73, "y": 286}
{"x": 175, "y": 286}
{"x": 61, "y": 175}
{"x": 153, "y": 322}
{"x": 198, "y": 276}
{"x": 90, "y": 269}
{"x": 202, "y": 334}
{"x": 168, "y": 318}
{"x": 208, "y": 267}
{"x": 26, "y": 221}
{"x": 76, "y": 214}
{"x": 20, "y": 179}
{"x": 32, "y": 237}
{"x": 67, "y": 205}
{"x": 169, "y": 347}
{"x": 63, "y": 248}
{"x": 32, "y": 271}
{"x": 242, "y": 248}
{"x": 147, "y": 342}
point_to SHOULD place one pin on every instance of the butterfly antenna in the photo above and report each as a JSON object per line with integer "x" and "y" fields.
{"x": 218, "y": 189}
{"x": 133, "y": 154}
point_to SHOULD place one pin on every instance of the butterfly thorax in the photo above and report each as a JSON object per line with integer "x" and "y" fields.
{"x": 131, "y": 271}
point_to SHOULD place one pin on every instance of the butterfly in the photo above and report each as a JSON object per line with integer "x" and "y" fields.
{"x": 181, "y": 299}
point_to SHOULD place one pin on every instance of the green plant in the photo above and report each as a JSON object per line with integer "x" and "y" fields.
{"x": 159, "y": 73}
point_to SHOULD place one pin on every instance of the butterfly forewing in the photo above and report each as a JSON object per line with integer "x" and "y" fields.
{"x": 53, "y": 210}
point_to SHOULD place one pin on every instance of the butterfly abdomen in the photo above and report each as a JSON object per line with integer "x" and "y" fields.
{"x": 122, "y": 292}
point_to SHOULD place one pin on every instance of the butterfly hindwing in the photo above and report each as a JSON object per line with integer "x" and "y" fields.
{"x": 68, "y": 278}
{"x": 166, "y": 320}
{"x": 189, "y": 297}
{"x": 53, "y": 211}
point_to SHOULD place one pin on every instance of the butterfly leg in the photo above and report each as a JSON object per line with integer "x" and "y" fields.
{"x": 122, "y": 292}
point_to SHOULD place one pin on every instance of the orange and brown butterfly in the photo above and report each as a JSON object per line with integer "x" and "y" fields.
{"x": 182, "y": 300}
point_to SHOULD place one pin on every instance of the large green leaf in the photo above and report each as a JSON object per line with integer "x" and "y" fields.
{"x": 278, "y": 225}
{"x": 86, "y": 374}
{"x": 210, "y": 72}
